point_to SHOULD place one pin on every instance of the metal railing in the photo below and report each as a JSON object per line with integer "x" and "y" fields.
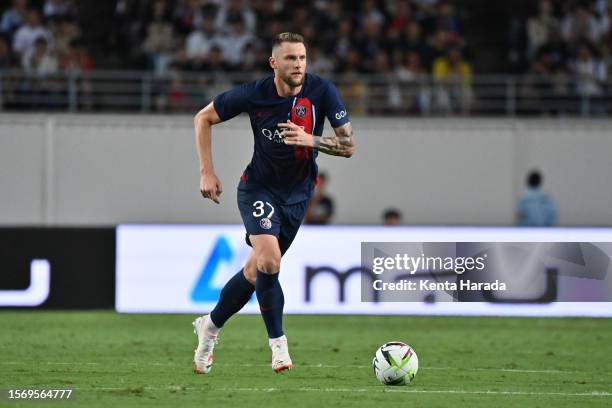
{"x": 393, "y": 95}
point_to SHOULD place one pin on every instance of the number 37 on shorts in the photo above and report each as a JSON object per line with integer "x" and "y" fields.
{"x": 260, "y": 209}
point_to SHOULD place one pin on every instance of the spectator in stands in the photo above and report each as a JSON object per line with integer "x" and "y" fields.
{"x": 159, "y": 43}
{"x": 590, "y": 73}
{"x": 178, "y": 96}
{"x": 301, "y": 20}
{"x": 328, "y": 20}
{"x": 39, "y": 59}
{"x": 6, "y": 59}
{"x": 370, "y": 44}
{"x": 188, "y": 15}
{"x": 200, "y": 41}
{"x": 232, "y": 11}
{"x": 76, "y": 59}
{"x": 65, "y": 33}
{"x": 541, "y": 27}
{"x": 412, "y": 78}
{"x": 400, "y": 17}
{"x": 14, "y": 17}
{"x": 446, "y": 19}
{"x": 557, "y": 48}
{"x": 412, "y": 41}
{"x": 57, "y": 9}
{"x": 392, "y": 217}
{"x": 452, "y": 75}
{"x": 235, "y": 41}
{"x": 536, "y": 208}
{"x": 438, "y": 46}
{"x": 343, "y": 41}
{"x": 27, "y": 34}
{"x": 321, "y": 207}
{"x": 215, "y": 62}
{"x": 318, "y": 62}
{"x": 580, "y": 25}
{"x": 266, "y": 13}
{"x": 370, "y": 11}
{"x": 542, "y": 84}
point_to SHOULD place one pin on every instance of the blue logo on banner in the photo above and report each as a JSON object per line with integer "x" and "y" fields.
{"x": 203, "y": 291}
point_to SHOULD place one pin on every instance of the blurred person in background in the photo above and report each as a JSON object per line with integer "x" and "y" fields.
{"x": 589, "y": 72}
{"x": 42, "y": 64}
{"x": 40, "y": 60}
{"x": 64, "y": 34}
{"x": 319, "y": 63}
{"x": 159, "y": 43}
{"x": 6, "y": 57}
{"x": 412, "y": 77}
{"x": 321, "y": 207}
{"x": 14, "y": 17}
{"x": 392, "y": 217}
{"x": 580, "y": 24}
{"x": 234, "y": 42}
{"x": 27, "y": 34}
{"x": 541, "y": 27}
{"x": 200, "y": 42}
{"x": 370, "y": 44}
{"x": 535, "y": 207}
{"x": 187, "y": 16}
{"x": 57, "y": 9}
{"x": 412, "y": 41}
{"x": 446, "y": 19}
{"x": 544, "y": 83}
{"x": 453, "y": 76}
{"x": 76, "y": 59}
{"x": 369, "y": 10}
{"x": 234, "y": 10}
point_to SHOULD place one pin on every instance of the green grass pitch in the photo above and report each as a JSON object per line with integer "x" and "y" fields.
{"x": 114, "y": 360}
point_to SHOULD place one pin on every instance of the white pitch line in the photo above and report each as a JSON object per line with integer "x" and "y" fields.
{"x": 320, "y": 365}
{"x": 372, "y": 389}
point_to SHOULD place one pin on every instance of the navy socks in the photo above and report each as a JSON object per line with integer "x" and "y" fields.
{"x": 271, "y": 302}
{"x": 234, "y": 295}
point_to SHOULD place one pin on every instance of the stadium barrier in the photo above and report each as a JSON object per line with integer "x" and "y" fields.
{"x": 374, "y": 94}
{"x": 67, "y": 170}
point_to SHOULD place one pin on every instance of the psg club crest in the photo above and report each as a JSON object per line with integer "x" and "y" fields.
{"x": 300, "y": 111}
{"x": 265, "y": 223}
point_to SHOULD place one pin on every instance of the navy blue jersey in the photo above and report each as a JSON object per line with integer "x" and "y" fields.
{"x": 288, "y": 172}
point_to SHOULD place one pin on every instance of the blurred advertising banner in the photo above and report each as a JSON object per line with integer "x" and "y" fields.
{"x": 57, "y": 268}
{"x": 369, "y": 270}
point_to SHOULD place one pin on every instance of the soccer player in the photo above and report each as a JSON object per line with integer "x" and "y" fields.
{"x": 287, "y": 112}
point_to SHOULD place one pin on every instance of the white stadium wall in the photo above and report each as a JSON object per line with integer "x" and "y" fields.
{"x": 112, "y": 169}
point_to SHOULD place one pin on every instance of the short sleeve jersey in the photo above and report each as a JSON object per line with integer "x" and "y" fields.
{"x": 287, "y": 172}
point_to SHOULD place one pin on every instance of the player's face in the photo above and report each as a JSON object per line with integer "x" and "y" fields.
{"x": 289, "y": 63}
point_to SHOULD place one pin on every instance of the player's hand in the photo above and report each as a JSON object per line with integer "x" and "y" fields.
{"x": 210, "y": 187}
{"x": 295, "y": 135}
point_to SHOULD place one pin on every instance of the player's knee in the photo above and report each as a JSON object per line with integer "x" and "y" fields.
{"x": 268, "y": 263}
{"x": 250, "y": 271}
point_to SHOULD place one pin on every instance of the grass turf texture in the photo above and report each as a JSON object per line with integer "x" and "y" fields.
{"x": 132, "y": 360}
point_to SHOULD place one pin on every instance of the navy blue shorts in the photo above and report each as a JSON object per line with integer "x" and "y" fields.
{"x": 261, "y": 214}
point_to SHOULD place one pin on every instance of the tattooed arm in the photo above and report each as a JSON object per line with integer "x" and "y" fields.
{"x": 341, "y": 144}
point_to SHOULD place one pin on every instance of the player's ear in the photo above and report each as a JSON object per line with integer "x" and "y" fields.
{"x": 272, "y": 62}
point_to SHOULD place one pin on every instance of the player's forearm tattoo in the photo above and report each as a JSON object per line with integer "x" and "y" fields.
{"x": 341, "y": 144}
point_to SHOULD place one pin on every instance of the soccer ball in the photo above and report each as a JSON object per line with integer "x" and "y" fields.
{"x": 395, "y": 363}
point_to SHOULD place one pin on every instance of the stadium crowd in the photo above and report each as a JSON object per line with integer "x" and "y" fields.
{"x": 410, "y": 36}
{"x": 565, "y": 49}
{"x": 418, "y": 49}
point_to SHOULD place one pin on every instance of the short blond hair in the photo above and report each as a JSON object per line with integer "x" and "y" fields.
{"x": 287, "y": 37}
